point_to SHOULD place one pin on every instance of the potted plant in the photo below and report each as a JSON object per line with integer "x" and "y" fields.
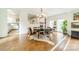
{"x": 64, "y": 26}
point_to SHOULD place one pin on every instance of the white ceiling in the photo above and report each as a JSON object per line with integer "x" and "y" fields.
{"x": 47, "y": 11}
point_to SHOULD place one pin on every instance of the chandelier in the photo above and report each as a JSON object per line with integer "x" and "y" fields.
{"x": 42, "y": 14}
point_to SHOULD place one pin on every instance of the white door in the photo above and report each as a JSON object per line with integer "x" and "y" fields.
{"x": 51, "y": 23}
{"x": 59, "y": 25}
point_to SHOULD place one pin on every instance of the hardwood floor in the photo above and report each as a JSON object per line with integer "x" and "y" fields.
{"x": 14, "y": 43}
{"x": 34, "y": 45}
{"x": 73, "y": 45}
{"x": 56, "y": 42}
{"x": 9, "y": 43}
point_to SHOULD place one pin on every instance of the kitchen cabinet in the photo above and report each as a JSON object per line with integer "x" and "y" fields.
{"x": 75, "y": 34}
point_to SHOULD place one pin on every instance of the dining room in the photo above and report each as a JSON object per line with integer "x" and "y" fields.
{"x": 39, "y": 29}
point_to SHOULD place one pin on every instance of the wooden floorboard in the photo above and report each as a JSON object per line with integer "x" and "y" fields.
{"x": 16, "y": 43}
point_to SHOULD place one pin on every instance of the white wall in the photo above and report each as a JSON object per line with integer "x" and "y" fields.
{"x": 24, "y": 24}
{"x": 3, "y": 23}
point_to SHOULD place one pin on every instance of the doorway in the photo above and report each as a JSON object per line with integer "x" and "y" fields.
{"x": 59, "y": 25}
{"x": 13, "y": 22}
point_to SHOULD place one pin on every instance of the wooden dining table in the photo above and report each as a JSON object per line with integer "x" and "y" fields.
{"x": 42, "y": 31}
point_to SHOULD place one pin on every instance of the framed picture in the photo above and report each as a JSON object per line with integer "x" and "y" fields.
{"x": 32, "y": 19}
{"x": 76, "y": 16}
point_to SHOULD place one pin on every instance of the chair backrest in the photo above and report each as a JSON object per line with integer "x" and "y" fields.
{"x": 30, "y": 30}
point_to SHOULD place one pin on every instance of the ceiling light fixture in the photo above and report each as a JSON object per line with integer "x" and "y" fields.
{"x": 42, "y": 14}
